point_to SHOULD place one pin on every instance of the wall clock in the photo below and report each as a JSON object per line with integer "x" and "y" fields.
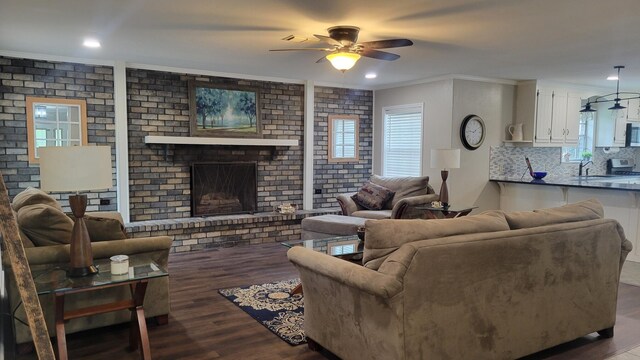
{"x": 472, "y": 132}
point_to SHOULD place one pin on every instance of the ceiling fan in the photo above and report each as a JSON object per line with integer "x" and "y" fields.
{"x": 345, "y": 51}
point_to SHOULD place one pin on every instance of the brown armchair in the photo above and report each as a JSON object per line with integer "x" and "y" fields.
{"x": 409, "y": 193}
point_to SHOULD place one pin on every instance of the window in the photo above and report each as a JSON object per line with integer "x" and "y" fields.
{"x": 402, "y": 141}
{"x": 584, "y": 149}
{"x": 55, "y": 122}
{"x": 343, "y": 138}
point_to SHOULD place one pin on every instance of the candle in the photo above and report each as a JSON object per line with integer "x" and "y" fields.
{"x": 119, "y": 264}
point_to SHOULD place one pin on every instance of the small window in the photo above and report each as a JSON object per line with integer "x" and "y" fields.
{"x": 584, "y": 149}
{"x": 343, "y": 138}
{"x": 402, "y": 140}
{"x": 55, "y": 122}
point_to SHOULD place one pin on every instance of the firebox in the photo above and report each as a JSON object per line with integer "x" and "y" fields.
{"x": 223, "y": 188}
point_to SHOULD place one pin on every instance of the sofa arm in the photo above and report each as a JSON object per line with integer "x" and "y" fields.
{"x": 344, "y": 272}
{"x": 60, "y": 253}
{"x": 347, "y": 204}
{"x": 405, "y": 208}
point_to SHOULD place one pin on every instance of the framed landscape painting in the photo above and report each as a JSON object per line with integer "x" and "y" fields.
{"x": 220, "y": 110}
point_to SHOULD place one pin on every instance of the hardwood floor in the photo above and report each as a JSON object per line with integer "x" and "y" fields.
{"x": 204, "y": 325}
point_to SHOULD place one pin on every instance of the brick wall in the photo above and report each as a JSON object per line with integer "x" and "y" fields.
{"x": 158, "y": 104}
{"x": 344, "y": 177}
{"x": 25, "y": 77}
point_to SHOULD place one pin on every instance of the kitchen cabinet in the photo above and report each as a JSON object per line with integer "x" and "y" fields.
{"x": 633, "y": 110}
{"x": 550, "y": 115}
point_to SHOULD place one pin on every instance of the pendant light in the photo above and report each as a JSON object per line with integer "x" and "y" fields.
{"x": 607, "y": 98}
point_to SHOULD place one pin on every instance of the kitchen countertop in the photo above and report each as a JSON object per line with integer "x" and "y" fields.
{"x": 627, "y": 183}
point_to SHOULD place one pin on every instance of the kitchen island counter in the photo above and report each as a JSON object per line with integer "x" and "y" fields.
{"x": 619, "y": 195}
{"x": 626, "y": 183}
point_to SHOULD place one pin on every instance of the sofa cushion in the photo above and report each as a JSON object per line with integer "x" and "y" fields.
{"x": 402, "y": 186}
{"x": 386, "y": 236}
{"x": 104, "y": 228}
{"x": 583, "y": 210}
{"x": 32, "y": 196}
{"x": 45, "y": 224}
{"x": 373, "y": 197}
{"x": 372, "y": 214}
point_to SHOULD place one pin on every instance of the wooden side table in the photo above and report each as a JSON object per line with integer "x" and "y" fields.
{"x": 450, "y": 212}
{"x": 58, "y": 283}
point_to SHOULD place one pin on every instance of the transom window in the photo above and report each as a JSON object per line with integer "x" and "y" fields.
{"x": 343, "y": 138}
{"x": 402, "y": 140}
{"x": 55, "y": 122}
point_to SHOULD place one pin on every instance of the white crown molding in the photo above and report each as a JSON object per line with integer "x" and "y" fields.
{"x": 447, "y": 77}
{"x": 46, "y": 57}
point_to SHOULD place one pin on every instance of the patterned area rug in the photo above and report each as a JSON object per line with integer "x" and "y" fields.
{"x": 273, "y": 306}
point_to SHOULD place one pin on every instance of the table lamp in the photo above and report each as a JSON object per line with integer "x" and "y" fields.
{"x": 445, "y": 159}
{"x": 75, "y": 169}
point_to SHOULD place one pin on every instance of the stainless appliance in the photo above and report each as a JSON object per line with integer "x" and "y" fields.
{"x": 621, "y": 167}
{"x": 632, "y": 138}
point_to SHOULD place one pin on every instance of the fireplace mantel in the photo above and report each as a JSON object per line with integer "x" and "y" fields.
{"x": 210, "y": 141}
{"x": 189, "y": 140}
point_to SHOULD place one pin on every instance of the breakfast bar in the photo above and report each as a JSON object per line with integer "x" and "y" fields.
{"x": 619, "y": 195}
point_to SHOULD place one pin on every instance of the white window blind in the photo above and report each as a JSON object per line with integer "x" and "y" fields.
{"x": 402, "y": 141}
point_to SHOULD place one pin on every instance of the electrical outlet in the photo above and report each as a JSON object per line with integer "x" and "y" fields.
{"x": 317, "y": 191}
{"x": 105, "y": 201}
{"x": 501, "y": 168}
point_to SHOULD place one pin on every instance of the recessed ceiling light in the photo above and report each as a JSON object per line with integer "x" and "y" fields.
{"x": 371, "y": 76}
{"x": 612, "y": 77}
{"x": 91, "y": 43}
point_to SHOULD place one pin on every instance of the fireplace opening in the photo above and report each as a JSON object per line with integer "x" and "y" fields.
{"x": 223, "y": 188}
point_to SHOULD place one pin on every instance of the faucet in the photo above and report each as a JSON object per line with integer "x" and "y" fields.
{"x": 581, "y": 166}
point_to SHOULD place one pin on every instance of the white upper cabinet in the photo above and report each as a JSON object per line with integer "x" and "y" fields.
{"x": 550, "y": 114}
{"x": 633, "y": 110}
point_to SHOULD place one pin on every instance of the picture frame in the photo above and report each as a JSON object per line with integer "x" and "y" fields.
{"x": 224, "y": 110}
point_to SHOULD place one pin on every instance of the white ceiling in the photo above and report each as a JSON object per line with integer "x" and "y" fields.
{"x": 575, "y": 41}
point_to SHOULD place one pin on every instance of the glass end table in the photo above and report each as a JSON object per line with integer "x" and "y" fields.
{"x": 56, "y": 281}
{"x": 348, "y": 248}
{"x": 450, "y": 212}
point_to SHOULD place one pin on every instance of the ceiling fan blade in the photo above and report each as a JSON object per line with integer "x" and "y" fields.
{"x": 322, "y": 59}
{"x": 303, "y": 49}
{"x": 380, "y": 55}
{"x": 328, "y": 40}
{"x": 386, "y": 44}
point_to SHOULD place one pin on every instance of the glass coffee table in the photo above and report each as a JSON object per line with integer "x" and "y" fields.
{"x": 348, "y": 248}
{"x": 56, "y": 281}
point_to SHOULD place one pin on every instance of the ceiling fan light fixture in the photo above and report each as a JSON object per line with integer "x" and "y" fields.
{"x": 343, "y": 61}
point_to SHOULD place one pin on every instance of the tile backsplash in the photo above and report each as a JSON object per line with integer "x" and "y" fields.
{"x": 509, "y": 161}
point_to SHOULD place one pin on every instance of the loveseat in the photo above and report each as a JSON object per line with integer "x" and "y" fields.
{"x": 44, "y": 231}
{"x": 408, "y": 192}
{"x": 490, "y": 286}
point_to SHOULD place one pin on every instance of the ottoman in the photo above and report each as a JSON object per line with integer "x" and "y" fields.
{"x": 325, "y": 226}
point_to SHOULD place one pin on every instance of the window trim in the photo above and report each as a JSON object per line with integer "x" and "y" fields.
{"x": 399, "y": 109}
{"x": 331, "y": 157}
{"x": 31, "y": 139}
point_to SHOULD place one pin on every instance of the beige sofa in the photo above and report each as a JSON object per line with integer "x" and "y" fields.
{"x": 409, "y": 193}
{"x": 156, "y": 303}
{"x": 490, "y": 286}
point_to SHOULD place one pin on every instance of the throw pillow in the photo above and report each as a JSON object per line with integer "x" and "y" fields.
{"x": 45, "y": 225}
{"x": 372, "y": 196}
{"x": 26, "y": 242}
{"x": 32, "y": 196}
{"x": 103, "y": 229}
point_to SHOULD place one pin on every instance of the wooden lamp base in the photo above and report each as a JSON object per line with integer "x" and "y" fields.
{"x": 80, "y": 256}
{"x": 444, "y": 191}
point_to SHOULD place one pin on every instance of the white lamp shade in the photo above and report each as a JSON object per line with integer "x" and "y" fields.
{"x": 75, "y": 168}
{"x": 445, "y": 158}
